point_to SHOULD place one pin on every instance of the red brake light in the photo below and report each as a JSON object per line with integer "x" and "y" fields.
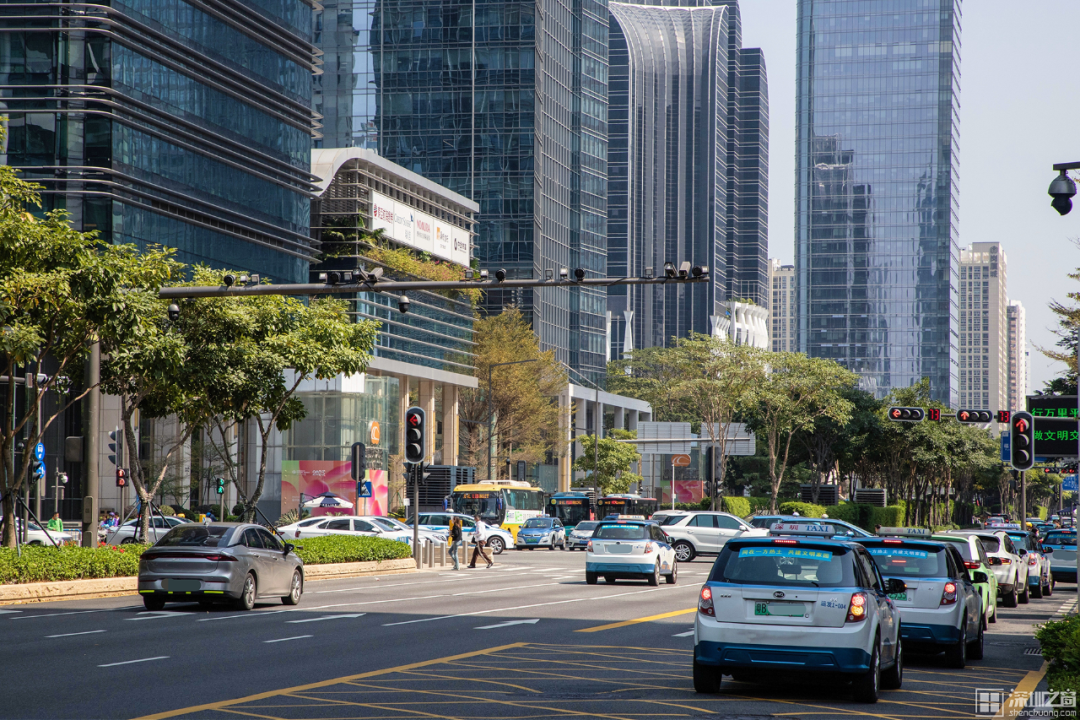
{"x": 948, "y": 596}
{"x": 893, "y": 542}
{"x": 971, "y": 565}
{"x": 1006, "y": 561}
{"x": 857, "y": 607}
{"x": 705, "y": 604}
{"x": 1032, "y": 560}
{"x": 221, "y": 558}
{"x": 785, "y": 541}
{"x": 648, "y": 548}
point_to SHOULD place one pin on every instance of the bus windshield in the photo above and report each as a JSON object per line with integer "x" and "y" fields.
{"x": 484, "y": 504}
{"x": 571, "y": 513}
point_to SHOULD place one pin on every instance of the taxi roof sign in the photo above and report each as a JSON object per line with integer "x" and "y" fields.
{"x": 802, "y": 528}
{"x": 1004, "y": 526}
{"x": 904, "y": 532}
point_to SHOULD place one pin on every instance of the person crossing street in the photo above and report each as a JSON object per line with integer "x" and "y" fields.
{"x": 480, "y": 533}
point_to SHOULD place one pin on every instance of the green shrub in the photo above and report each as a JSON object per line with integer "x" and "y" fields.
{"x": 69, "y": 562}
{"x": 167, "y": 510}
{"x": 891, "y": 516}
{"x": 1060, "y": 642}
{"x": 347, "y": 548}
{"x": 759, "y": 504}
{"x": 804, "y": 509}
{"x": 1041, "y": 512}
{"x": 738, "y": 506}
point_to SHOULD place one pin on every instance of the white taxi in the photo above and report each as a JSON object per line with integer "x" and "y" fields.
{"x": 1011, "y": 570}
{"x": 799, "y": 601}
{"x": 630, "y": 549}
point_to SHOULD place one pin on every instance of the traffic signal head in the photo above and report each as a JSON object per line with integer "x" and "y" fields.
{"x": 907, "y": 414}
{"x": 1022, "y": 444}
{"x": 121, "y": 477}
{"x": 1003, "y": 416}
{"x": 974, "y": 417}
{"x": 220, "y": 486}
{"x": 710, "y": 466}
{"x": 114, "y": 440}
{"x": 358, "y": 464}
{"x": 415, "y": 433}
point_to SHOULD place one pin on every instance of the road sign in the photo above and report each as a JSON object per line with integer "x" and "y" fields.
{"x": 1060, "y": 406}
{"x": 1056, "y": 437}
{"x": 1071, "y": 484}
{"x": 680, "y": 460}
{"x": 39, "y": 451}
{"x": 363, "y": 489}
{"x": 1006, "y": 447}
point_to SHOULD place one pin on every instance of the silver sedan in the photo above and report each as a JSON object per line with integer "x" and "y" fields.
{"x": 239, "y": 562}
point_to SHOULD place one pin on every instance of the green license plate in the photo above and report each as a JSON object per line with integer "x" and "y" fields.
{"x": 898, "y": 596}
{"x": 779, "y": 609}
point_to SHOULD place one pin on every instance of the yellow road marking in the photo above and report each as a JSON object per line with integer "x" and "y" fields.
{"x": 221, "y": 704}
{"x": 625, "y": 623}
{"x": 1020, "y": 694}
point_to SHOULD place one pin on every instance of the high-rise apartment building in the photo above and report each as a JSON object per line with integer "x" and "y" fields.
{"x": 1018, "y": 357}
{"x": 173, "y": 122}
{"x": 688, "y": 168}
{"x": 782, "y": 306}
{"x": 876, "y": 247}
{"x": 505, "y": 104}
{"x": 984, "y": 328}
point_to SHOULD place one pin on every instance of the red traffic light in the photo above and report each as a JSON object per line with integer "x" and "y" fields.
{"x": 1021, "y": 425}
{"x": 121, "y": 477}
{"x": 963, "y": 416}
{"x": 895, "y": 413}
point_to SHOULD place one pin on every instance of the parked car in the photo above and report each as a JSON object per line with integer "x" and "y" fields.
{"x": 345, "y": 525}
{"x": 214, "y": 562}
{"x": 498, "y": 539}
{"x": 159, "y": 526}
{"x": 703, "y": 533}
{"x": 37, "y": 535}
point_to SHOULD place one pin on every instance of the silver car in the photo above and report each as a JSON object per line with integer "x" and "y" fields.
{"x": 240, "y": 562}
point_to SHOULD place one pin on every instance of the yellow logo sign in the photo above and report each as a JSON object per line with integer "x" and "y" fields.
{"x": 374, "y": 432}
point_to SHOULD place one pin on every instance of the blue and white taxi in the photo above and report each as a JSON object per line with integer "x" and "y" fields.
{"x": 798, "y": 601}
{"x": 1060, "y": 545}
{"x": 629, "y": 549}
{"x": 941, "y": 609}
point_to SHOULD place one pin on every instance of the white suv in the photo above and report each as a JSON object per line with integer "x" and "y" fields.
{"x": 1009, "y": 567}
{"x": 703, "y": 533}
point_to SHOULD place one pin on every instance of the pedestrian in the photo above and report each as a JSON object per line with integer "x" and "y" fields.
{"x": 55, "y": 523}
{"x": 455, "y": 540}
{"x": 480, "y": 538}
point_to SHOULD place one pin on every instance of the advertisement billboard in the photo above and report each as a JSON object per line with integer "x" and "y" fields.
{"x": 419, "y": 230}
{"x": 315, "y": 477}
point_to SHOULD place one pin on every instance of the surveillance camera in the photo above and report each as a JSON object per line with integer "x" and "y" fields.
{"x": 669, "y": 270}
{"x": 500, "y": 274}
{"x": 563, "y": 273}
{"x": 229, "y": 280}
{"x": 579, "y": 274}
{"x": 700, "y": 270}
{"x": 403, "y": 303}
{"x": 684, "y": 269}
{"x": 333, "y": 278}
{"x": 483, "y": 274}
{"x": 1062, "y": 189}
{"x": 174, "y": 312}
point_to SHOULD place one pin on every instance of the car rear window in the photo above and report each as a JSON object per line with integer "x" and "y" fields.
{"x": 804, "y": 565}
{"x": 1060, "y": 538}
{"x": 990, "y": 544}
{"x": 762, "y": 522}
{"x": 909, "y": 560}
{"x": 586, "y": 526}
{"x": 964, "y": 548}
{"x": 621, "y": 532}
{"x": 671, "y": 519}
{"x": 192, "y": 535}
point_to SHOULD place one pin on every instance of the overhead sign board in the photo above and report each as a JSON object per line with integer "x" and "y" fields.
{"x": 1056, "y": 438}
{"x": 418, "y": 230}
{"x": 1071, "y": 484}
{"x": 1053, "y": 406}
{"x": 677, "y": 432}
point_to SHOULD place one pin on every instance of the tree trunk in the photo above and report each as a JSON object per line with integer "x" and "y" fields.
{"x": 9, "y": 519}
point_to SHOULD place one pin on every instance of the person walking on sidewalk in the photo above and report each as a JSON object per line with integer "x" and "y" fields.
{"x": 455, "y": 540}
{"x": 480, "y": 533}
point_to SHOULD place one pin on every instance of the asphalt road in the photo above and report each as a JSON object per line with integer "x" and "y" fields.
{"x": 526, "y": 639}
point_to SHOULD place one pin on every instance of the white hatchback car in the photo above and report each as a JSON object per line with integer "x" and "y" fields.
{"x": 630, "y": 549}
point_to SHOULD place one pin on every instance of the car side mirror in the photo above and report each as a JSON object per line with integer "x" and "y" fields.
{"x": 979, "y": 577}
{"x": 895, "y": 585}
{"x": 1048, "y": 551}
{"x": 1021, "y": 552}
{"x": 289, "y": 547}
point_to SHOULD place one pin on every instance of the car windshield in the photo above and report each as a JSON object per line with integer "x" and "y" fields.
{"x": 192, "y": 535}
{"x": 621, "y": 532}
{"x": 778, "y": 565}
{"x": 906, "y": 560}
{"x": 537, "y": 523}
{"x": 586, "y": 527}
{"x": 990, "y": 544}
{"x": 1062, "y": 539}
{"x": 962, "y": 546}
{"x": 385, "y": 522}
{"x": 763, "y": 522}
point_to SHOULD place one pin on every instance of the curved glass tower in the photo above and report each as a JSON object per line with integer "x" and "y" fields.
{"x": 877, "y": 251}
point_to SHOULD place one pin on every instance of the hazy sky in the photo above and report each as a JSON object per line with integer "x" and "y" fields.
{"x": 1019, "y": 114}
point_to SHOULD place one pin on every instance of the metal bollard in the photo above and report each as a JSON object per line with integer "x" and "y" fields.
{"x": 429, "y": 550}
{"x": 442, "y": 554}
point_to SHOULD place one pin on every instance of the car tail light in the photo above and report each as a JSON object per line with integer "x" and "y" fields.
{"x": 785, "y": 541}
{"x": 221, "y": 558}
{"x": 589, "y": 547}
{"x": 948, "y": 595}
{"x": 1032, "y": 560}
{"x": 857, "y": 608}
{"x": 1006, "y": 561}
{"x": 705, "y": 606}
{"x": 649, "y": 548}
{"x": 971, "y": 565}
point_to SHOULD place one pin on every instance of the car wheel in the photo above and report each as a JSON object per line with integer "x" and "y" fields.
{"x": 590, "y": 578}
{"x": 531, "y": 548}
{"x": 956, "y": 655}
{"x": 992, "y": 617}
{"x": 866, "y": 687}
{"x": 552, "y": 545}
{"x": 975, "y": 649}
{"x": 497, "y": 545}
{"x": 153, "y": 604}
{"x": 893, "y": 678}
{"x": 673, "y": 576}
{"x": 654, "y": 579}
{"x": 128, "y": 541}
{"x": 684, "y": 551}
{"x": 1023, "y": 597}
{"x": 296, "y": 589}
{"x": 1037, "y": 590}
{"x": 36, "y": 543}
{"x": 246, "y": 601}
{"x": 1010, "y": 599}
{"x": 706, "y": 679}
{"x": 1049, "y": 587}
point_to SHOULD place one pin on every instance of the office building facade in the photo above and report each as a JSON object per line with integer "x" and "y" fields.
{"x": 876, "y": 247}
{"x": 505, "y": 105}
{"x": 984, "y": 328}
{"x": 688, "y": 177}
{"x": 169, "y": 122}
{"x": 1018, "y": 357}
{"x": 782, "y": 306}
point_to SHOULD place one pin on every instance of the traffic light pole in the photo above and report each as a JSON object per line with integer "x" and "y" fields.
{"x": 418, "y": 472}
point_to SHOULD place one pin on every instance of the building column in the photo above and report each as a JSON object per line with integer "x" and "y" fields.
{"x": 620, "y": 418}
{"x": 632, "y": 420}
{"x": 451, "y": 440}
{"x": 427, "y": 402}
{"x": 568, "y": 434}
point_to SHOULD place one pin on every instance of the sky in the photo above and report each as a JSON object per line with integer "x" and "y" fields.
{"x": 1019, "y": 114}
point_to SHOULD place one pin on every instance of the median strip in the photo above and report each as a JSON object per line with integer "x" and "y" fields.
{"x": 625, "y": 623}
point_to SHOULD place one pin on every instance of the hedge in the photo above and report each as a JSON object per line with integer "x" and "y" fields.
{"x": 1060, "y": 642}
{"x": 69, "y": 562}
{"x": 1041, "y": 511}
{"x": 738, "y": 506}
{"x": 348, "y": 548}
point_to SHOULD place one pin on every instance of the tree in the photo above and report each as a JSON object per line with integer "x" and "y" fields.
{"x": 525, "y": 412}
{"x": 60, "y": 292}
{"x": 825, "y": 439}
{"x": 651, "y": 374}
{"x": 609, "y": 462}
{"x": 795, "y": 392}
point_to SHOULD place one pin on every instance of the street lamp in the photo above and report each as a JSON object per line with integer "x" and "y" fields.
{"x": 491, "y": 414}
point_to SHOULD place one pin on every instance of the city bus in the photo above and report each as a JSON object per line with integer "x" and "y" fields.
{"x": 572, "y": 508}
{"x": 626, "y": 504}
{"x": 504, "y": 503}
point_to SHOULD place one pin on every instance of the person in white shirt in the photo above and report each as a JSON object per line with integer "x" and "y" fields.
{"x": 480, "y": 533}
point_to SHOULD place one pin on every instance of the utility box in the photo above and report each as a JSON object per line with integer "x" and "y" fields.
{"x": 871, "y": 496}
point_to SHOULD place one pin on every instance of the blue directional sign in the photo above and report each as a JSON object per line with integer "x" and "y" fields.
{"x": 363, "y": 489}
{"x": 1071, "y": 484}
{"x": 1006, "y": 447}
{"x": 41, "y": 470}
{"x": 39, "y": 451}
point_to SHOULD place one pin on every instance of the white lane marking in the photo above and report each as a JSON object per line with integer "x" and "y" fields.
{"x": 504, "y": 589}
{"x": 88, "y": 632}
{"x": 295, "y": 637}
{"x": 684, "y": 634}
{"x": 245, "y": 615}
{"x": 325, "y": 617}
{"x": 158, "y": 615}
{"x": 76, "y": 612}
{"x": 131, "y": 662}
{"x": 508, "y": 624}
{"x": 404, "y": 584}
{"x": 8, "y": 612}
{"x": 524, "y": 607}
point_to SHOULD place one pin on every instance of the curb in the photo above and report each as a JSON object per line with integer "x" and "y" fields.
{"x": 24, "y": 593}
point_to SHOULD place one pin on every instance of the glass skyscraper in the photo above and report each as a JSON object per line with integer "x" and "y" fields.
{"x": 504, "y": 103}
{"x": 876, "y": 249}
{"x": 186, "y": 124}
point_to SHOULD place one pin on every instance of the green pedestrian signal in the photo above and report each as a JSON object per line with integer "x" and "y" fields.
{"x": 221, "y": 486}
